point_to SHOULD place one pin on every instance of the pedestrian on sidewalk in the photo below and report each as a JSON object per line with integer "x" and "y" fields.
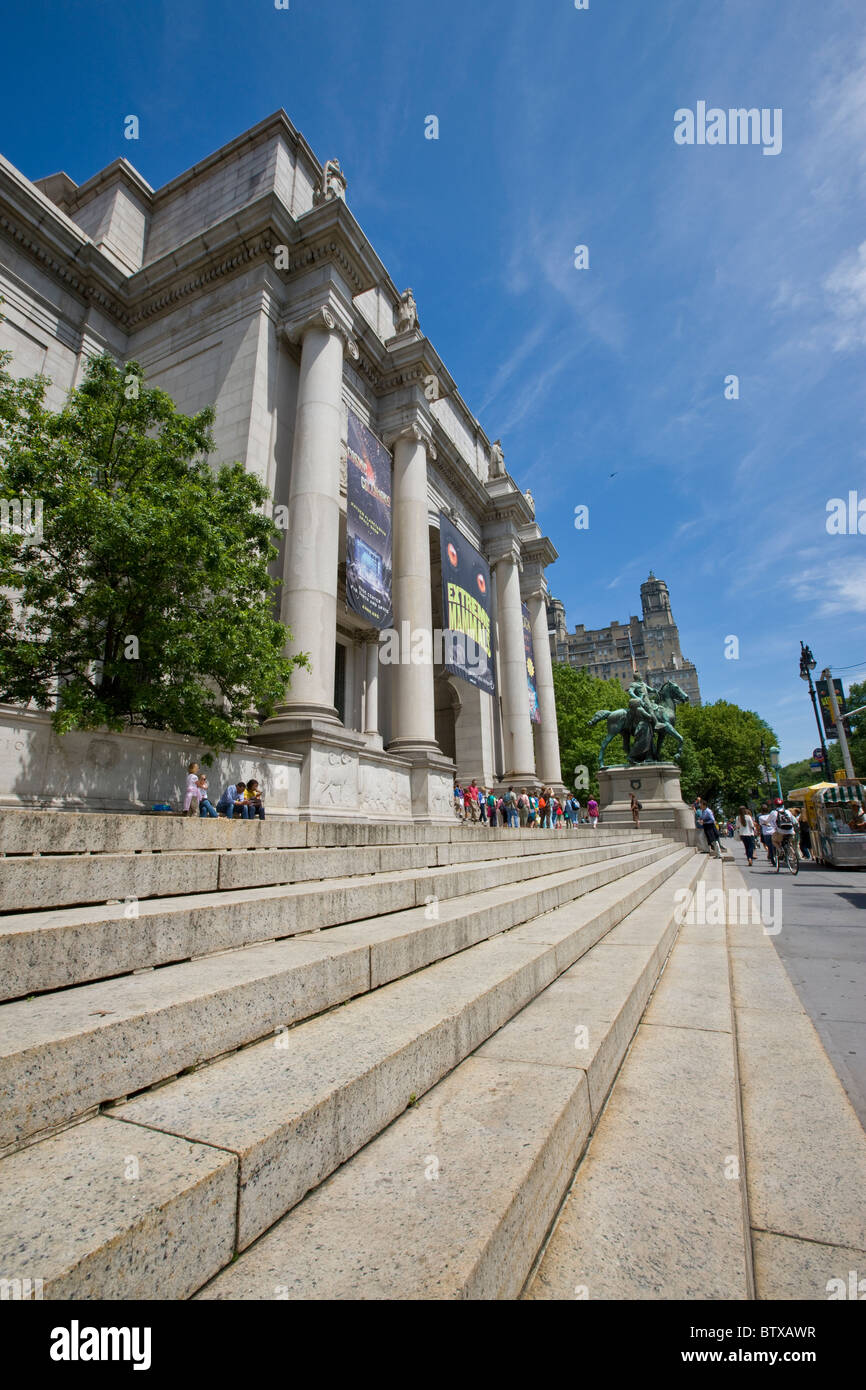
{"x": 767, "y": 824}
{"x": 636, "y": 809}
{"x": 745, "y": 829}
{"x": 471, "y": 797}
{"x": 592, "y": 811}
{"x": 710, "y": 829}
{"x": 523, "y": 807}
{"x": 512, "y": 808}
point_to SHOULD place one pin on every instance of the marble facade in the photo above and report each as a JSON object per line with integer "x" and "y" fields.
{"x": 247, "y": 284}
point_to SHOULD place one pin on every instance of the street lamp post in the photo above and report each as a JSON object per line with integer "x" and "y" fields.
{"x": 807, "y": 666}
{"x": 775, "y": 763}
{"x": 765, "y": 769}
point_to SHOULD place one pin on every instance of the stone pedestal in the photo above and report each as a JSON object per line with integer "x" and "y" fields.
{"x": 657, "y": 788}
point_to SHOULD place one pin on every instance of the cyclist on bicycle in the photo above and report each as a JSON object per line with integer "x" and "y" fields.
{"x": 783, "y": 825}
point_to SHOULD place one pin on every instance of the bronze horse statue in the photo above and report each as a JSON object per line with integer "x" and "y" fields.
{"x": 643, "y": 737}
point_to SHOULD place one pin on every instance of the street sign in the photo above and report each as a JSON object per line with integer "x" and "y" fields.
{"x": 816, "y": 767}
{"x": 818, "y": 755}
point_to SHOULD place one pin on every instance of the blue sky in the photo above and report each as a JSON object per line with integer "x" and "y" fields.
{"x": 556, "y": 129}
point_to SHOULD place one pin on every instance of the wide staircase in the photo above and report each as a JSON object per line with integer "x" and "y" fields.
{"x": 278, "y": 1060}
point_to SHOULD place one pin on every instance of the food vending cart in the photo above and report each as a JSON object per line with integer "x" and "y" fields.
{"x": 829, "y": 809}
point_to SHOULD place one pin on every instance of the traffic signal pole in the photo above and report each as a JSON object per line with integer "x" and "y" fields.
{"x": 826, "y": 675}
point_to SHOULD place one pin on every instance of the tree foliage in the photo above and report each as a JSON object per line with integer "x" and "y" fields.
{"x": 726, "y": 743}
{"x": 147, "y": 596}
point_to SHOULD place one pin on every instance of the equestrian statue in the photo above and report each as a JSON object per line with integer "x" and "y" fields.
{"x": 647, "y": 722}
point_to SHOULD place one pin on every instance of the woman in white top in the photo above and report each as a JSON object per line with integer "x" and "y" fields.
{"x": 745, "y": 831}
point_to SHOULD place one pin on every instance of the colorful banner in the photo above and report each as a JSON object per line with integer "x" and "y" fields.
{"x": 821, "y": 687}
{"x": 534, "y": 711}
{"x": 368, "y": 525}
{"x": 468, "y": 650}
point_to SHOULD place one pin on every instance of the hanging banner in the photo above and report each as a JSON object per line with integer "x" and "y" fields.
{"x": 368, "y": 525}
{"x": 830, "y": 730}
{"x": 534, "y": 711}
{"x": 468, "y": 651}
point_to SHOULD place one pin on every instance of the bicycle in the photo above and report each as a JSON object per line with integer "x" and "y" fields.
{"x": 787, "y": 851}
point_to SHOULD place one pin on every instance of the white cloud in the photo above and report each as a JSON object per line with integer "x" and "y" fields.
{"x": 838, "y": 585}
{"x": 846, "y": 287}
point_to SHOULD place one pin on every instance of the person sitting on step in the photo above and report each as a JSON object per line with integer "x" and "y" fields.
{"x": 253, "y": 803}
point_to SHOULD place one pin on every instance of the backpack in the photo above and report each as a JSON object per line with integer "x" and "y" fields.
{"x": 491, "y": 801}
{"x": 512, "y": 798}
{"x": 784, "y": 819}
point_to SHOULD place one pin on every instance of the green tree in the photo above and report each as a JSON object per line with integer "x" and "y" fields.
{"x": 147, "y": 596}
{"x": 857, "y": 738}
{"x": 727, "y": 743}
{"x": 578, "y": 696}
{"x": 691, "y": 770}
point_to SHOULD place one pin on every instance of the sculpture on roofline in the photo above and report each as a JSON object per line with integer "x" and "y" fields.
{"x": 647, "y": 722}
{"x": 333, "y": 183}
{"x": 497, "y": 461}
{"x": 407, "y": 313}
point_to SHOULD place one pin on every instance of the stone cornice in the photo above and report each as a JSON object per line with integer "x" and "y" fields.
{"x": 539, "y": 549}
{"x": 328, "y": 232}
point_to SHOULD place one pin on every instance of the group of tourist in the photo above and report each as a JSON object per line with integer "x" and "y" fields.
{"x": 521, "y": 810}
{"x": 243, "y": 799}
{"x": 767, "y": 827}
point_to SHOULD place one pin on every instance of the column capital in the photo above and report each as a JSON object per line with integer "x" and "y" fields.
{"x": 326, "y": 318}
{"x": 504, "y": 548}
{"x": 417, "y": 431}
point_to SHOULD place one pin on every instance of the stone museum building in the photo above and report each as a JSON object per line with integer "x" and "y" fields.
{"x": 247, "y": 284}
{"x": 650, "y": 644}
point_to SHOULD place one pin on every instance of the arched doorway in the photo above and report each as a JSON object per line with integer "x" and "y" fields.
{"x": 447, "y": 712}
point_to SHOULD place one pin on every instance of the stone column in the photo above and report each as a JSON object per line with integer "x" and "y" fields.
{"x": 548, "y": 734}
{"x": 517, "y": 727}
{"x": 309, "y": 595}
{"x": 371, "y": 697}
{"x": 414, "y": 719}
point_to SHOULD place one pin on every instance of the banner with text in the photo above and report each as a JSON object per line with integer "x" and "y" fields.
{"x": 368, "y": 525}
{"x": 468, "y": 650}
{"x": 822, "y": 687}
{"x": 534, "y": 711}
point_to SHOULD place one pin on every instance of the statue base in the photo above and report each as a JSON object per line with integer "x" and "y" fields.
{"x": 657, "y": 788}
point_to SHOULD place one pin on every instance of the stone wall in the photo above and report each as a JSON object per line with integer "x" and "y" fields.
{"x": 102, "y": 771}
